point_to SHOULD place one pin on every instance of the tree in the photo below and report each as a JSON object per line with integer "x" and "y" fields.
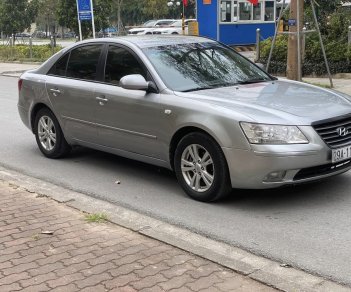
{"x": 67, "y": 15}
{"x": 17, "y": 15}
{"x": 46, "y": 19}
{"x": 292, "y": 64}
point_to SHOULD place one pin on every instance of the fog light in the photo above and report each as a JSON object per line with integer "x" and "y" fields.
{"x": 275, "y": 176}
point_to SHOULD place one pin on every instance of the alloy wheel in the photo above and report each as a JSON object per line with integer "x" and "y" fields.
{"x": 47, "y": 133}
{"x": 197, "y": 168}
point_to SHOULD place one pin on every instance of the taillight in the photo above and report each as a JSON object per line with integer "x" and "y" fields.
{"x": 20, "y": 82}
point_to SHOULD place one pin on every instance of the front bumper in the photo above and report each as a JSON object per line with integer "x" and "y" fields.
{"x": 251, "y": 168}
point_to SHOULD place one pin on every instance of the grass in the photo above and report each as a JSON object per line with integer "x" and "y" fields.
{"x": 96, "y": 218}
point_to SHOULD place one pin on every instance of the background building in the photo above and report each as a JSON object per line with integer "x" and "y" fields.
{"x": 234, "y": 22}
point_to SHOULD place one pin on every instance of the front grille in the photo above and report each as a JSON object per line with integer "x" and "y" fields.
{"x": 328, "y": 131}
{"x": 156, "y": 32}
{"x": 322, "y": 170}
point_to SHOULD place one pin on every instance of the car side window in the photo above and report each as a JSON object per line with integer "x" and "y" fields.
{"x": 83, "y": 62}
{"x": 59, "y": 68}
{"x": 120, "y": 62}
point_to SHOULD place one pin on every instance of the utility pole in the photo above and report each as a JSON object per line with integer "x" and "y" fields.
{"x": 294, "y": 66}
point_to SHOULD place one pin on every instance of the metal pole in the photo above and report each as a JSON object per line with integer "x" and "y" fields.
{"x": 92, "y": 17}
{"x": 349, "y": 44}
{"x": 322, "y": 45}
{"x": 258, "y": 39}
{"x": 275, "y": 36}
{"x": 299, "y": 71}
{"x": 30, "y": 48}
{"x": 304, "y": 43}
{"x": 79, "y": 23}
{"x": 218, "y": 14}
{"x": 183, "y": 19}
{"x": 52, "y": 44}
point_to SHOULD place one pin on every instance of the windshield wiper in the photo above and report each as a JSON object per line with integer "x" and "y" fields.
{"x": 198, "y": 88}
{"x": 250, "y": 81}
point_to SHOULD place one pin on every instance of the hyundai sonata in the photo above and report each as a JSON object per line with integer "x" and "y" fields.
{"x": 188, "y": 104}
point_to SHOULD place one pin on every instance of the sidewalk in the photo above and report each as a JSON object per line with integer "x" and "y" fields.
{"x": 48, "y": 246}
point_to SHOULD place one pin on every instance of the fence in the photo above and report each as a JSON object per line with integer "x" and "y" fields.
{"x": 27, "y": 48}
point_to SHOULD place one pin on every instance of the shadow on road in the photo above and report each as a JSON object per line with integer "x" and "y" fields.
{"x": 311, "y": 195}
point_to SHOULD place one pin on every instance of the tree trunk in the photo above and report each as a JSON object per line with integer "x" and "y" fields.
{"x": 292, "y": 63}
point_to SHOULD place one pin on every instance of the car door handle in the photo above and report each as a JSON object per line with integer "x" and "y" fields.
{"x": 101, "y": 99}
{"x": 57, "y": 91}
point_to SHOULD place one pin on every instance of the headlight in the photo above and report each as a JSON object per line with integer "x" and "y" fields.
{"x": 273, "y": 134}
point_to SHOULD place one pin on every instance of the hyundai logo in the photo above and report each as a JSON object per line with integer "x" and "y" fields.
{"x": 342, "y": 131}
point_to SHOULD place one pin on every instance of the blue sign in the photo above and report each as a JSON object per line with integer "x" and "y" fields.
{"x": 84, "y": 10}
{"x": 85, "y": 16}
{"x": 292, "y": 22}
{"x": 84, "y": 5}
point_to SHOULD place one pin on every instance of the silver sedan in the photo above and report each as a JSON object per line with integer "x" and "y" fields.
{"x": 188, "y": 104}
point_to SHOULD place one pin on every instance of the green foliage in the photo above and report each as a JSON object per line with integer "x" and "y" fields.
{"x": 334, "y": 23}
{"x": 17, "y": 15}
{"x": 22, "y": 53}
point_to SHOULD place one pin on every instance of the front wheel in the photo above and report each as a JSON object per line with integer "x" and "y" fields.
{"x": 201, "y": 168}
{"x": 49, "y": 136}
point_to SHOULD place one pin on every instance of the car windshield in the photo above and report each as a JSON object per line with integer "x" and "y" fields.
{"x": 197, "y": 66}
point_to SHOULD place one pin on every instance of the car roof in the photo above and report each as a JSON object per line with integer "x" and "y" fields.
{"x": 149, "y": 41}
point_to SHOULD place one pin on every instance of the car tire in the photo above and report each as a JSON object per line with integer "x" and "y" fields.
{"x": 49, "y": 136}
{"x": 201, "y": 168}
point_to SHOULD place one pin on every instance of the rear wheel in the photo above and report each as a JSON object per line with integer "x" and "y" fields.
{"x": 49, "y": 136}
{"x": 201, "y": 168}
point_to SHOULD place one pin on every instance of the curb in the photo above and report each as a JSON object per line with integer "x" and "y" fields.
{"x": 268, "y": 272}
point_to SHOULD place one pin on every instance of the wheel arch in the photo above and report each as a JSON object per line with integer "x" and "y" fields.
{"x": 36, "y": 108}
{"x": 179, "y": 134}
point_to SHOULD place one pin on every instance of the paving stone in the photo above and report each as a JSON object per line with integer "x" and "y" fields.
{"x": 38, "y": 279}
{"x": 37, "y": 288}
{"x": 204, "y": 282}
{"x": 126, "y": 269}
{"x": 204, "y": 271}
{"x": 79, "y": 256}
{"x": 13, "y": 278}
{"x": 66, "y": 288}
{"x": 10, "y": 287}
{"x": 65, "y": 280}
{"x": 176, "y": 282}
{"x": 120, "y": 281}
{"x": 92, "y": 280}
{"x": 149, "y": 281}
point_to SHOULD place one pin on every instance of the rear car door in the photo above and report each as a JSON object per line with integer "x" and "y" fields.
{"x": 70, "y": 86}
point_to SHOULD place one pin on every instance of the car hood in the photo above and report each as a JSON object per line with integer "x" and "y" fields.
{"x": 278, "y": 101}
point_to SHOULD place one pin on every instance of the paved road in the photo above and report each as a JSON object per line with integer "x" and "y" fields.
{"x": 307, "y": 226}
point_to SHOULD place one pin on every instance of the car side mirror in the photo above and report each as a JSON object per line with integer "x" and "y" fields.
{"x": 137, "y": 82}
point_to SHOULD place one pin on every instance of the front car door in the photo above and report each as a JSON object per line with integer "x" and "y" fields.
{"x": 128, "y": 120}
{"x": 70, "y": 86}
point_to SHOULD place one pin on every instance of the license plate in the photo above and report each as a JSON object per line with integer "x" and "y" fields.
{"x": 341, "y": 154}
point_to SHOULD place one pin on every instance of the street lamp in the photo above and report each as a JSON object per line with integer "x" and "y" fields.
{"x": 177, "y": 3}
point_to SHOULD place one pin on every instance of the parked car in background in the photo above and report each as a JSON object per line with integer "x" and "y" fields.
{"x": 149, "y": 26}
{"x": 107, "y": 32}
{"x": 174, "y": 27}
{"x": 188, "y": 104}
{"x": 39, "y": 34}
{"x": 69, "y": 35}
{"x": 22, "y": 35}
